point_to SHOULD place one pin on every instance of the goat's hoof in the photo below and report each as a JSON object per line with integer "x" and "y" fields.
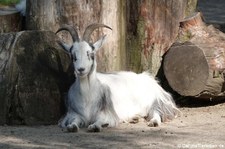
{"x": 152, "y": 124}
{"x": 94, "y": 128}
{"x": 134, "y": 120}
{"x": 72, "y": 128}
{"x": 105, "y": 125}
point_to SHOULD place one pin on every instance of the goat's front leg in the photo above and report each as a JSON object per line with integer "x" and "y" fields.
{"x": 72, "y": 121}
{"x": 155, "y": 121}
{"x": 96, "y": 127}
{"x": 106, "y": 116}
{"x": 102, "y": 120}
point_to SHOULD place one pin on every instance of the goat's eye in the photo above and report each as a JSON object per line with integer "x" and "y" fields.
{"x": 73, "y": 57}
{"x": 71, "y": 48}
{"x": 90, "y": 55}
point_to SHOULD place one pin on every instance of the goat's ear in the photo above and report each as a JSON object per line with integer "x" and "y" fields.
{"x": 98, "y": 44}
{"x": 65, "y": 46}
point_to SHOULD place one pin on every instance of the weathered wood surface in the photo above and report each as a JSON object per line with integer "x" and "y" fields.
{"x": 51, "y": 14}
{"x": 152, "y": 27}
{"x": 186, "y": 69}
{"x": 41, "y": 15}
{"x": 10, "y": 20}
{"x": 143, "y": 30}
{"x": 195, "y": 67}
{"x": 34, "y": 75}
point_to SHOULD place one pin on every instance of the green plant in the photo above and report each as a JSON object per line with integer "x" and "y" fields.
{"x": 8, "y": 2}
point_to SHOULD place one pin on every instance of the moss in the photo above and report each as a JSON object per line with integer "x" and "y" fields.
{"x": 122, "y": 42}
{"x": 134, "y": 54}
{"x": 184, "y": 36}
{"x": 8, "y": 2}
{"x": 190, "y": 7}
{"x": 141, "y": 29}
{"x": 135, "y": 47}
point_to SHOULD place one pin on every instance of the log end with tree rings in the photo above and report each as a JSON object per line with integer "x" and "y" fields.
{"x": 186, "y": 69}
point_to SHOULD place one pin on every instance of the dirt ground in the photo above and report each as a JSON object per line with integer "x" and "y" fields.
{"x": 199, "y": 127}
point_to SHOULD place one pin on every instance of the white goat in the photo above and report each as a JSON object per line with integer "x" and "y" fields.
{"x": 96, "y": 99}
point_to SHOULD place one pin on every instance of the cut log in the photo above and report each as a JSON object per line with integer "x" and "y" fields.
{"x": 195, "y": 66}
{"x": 33, "y": 78}
{"x": 10, "y": 20}
{"x": 186, "y": 69}
{"x": 194, "y": 20}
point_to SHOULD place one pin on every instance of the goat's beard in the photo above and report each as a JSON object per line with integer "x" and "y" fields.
{"x": 80, "y": 75}
{"x": 85, "y": 74}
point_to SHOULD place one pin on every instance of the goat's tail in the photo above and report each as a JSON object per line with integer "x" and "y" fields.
{"x": 165, "y": 105}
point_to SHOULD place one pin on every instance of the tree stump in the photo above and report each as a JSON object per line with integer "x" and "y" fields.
{"x": 10, "y": 20}
{"x": 51, "y": 14}
{"x": 143, "y": 30}
{"x": 152, "y": 27}
{"x": 195, "y": 65}
{"x": 34, "y": 75}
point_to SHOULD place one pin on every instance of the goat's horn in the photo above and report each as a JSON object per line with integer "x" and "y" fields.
{"x": 71, "y": 30}
{"x": 90, "y": 29}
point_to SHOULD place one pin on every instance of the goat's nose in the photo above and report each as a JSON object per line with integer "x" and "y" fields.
{"x": 81, "y": 70}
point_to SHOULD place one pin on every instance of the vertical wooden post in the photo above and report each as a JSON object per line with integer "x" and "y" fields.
{"x": 152, "y": 27}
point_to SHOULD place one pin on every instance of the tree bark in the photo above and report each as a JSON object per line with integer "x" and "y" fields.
{"x": 10, "y": 20}
{"x": 152, "y": 27}
{"x": 41, "y": 15}
{"x": 143, "y": 30}
{"x": 34, "y": 75}
{"x": 195, "y": 67}
{"x": 51, "y": 14}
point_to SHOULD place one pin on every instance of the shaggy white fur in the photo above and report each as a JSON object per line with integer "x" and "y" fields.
{"x": 97, "y": 100}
